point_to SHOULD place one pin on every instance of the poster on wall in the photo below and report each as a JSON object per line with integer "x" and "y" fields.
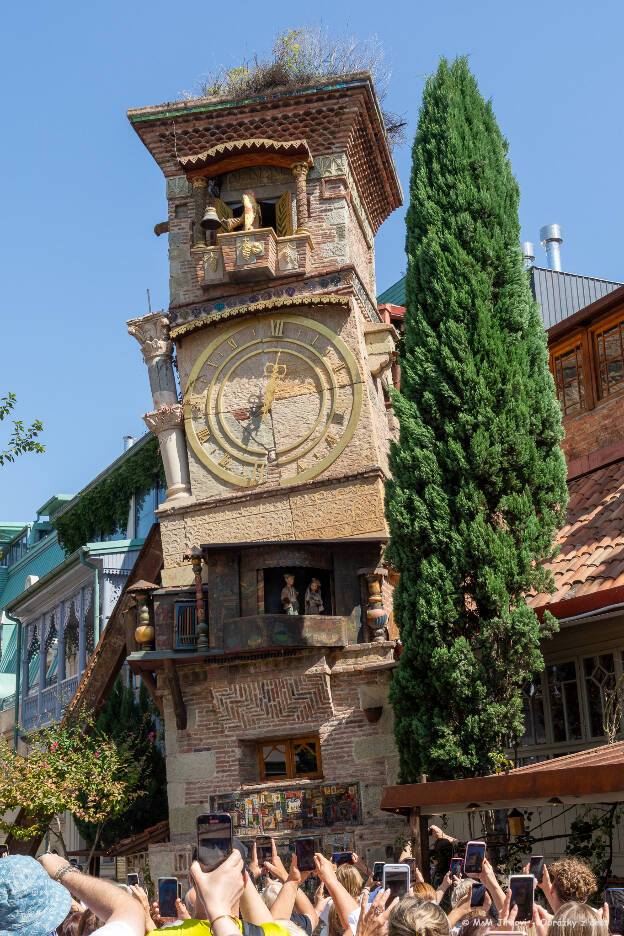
{"x": 310, "y": 808}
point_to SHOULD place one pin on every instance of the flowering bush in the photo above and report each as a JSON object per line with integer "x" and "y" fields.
{"x": 66, "y": 767}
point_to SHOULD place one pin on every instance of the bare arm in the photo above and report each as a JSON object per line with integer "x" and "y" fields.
{"x": 252, "y": 906}
{"x": 109, "y": 903}
{"x": 343, "y": 901}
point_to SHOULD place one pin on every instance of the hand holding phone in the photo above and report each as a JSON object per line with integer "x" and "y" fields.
{"x": 132, "y": 879}
{"x": 304, "y": 850}
{"x": 456, "y": 868}
{"x": 477, "y": 895}
{"x": 473, "y": 860}
{"x": 396, "y": 879}
{"x": 522, "y": 887}
{"x": 264, "y": 849}
{"x": 167, "y": 895}
{"x": 214, "y": 839}
{"x": 378, "y": 871}
{"x": 340, "y": 858}
{"x": 536, "y": 867}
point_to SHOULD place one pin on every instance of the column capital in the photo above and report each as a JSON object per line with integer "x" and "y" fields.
{"x": 300, "y": 169}
{"x": 200, "y": 182}
{"x": 168, "y": 416}
{"x": 152, "y": 333}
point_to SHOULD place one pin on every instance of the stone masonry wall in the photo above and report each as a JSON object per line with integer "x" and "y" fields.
{"x": 232, "y": 706}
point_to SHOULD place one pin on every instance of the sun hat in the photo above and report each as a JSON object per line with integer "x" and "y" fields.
{"x": 31, "y": 903}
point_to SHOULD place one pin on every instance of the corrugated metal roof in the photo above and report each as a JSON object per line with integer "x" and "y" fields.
{"x": 394, "y": 294}
{"x": 559, "y": 294}
{"x": 34, "y": 562}
{"x": 562, "y": 294}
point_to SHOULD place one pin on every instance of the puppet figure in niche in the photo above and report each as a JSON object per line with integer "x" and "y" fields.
{"x": 313, "y": 598}
{"x": 289, "y": 595}
{"x": 251, "y": 218}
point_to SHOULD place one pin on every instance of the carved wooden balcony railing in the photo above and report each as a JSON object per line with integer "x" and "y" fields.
{"x": 255, "y": 255}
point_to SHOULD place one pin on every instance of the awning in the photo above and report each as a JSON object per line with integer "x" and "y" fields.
{"x": 590, "y": 776}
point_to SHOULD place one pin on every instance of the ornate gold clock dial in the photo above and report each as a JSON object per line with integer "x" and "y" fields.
{"x": 272, "y": 398}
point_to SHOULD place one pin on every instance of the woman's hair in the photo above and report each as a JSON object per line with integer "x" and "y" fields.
{"x": 270, "y": 892}
{"x": 351, "y": 880}
{"x": 78, "y": 923}
{"x": 577, "y": 919}
{"x": 292, "y": 928}
{"x": 424, "y": 891}
{"x": 573, "y": 879}
{"x": 412, "y": 915}
{"x": 461, "y": 889}
{"x": 475, "y": 922}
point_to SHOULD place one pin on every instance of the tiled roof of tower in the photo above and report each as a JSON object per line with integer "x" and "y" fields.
{"x": 559, "y": 294}
{"x": 591, "y": 556}
{"x": 336, "y": 115}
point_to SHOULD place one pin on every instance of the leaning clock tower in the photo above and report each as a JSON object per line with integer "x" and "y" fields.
{"x": 272, "y": 642}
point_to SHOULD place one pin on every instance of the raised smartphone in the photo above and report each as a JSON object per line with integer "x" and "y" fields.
{"x": 167, "y": 894}
{"x": 304, "y": 849}
{"x": 477, "y": 895}
{"x": 457, "y": 867}
{"x": 522, "y": 887}
{"x": 396, "y": 878}
{"x": 132, "y": 879}
{"x": 264, "y": 849}
{"x": 214, "y": 839}
{"x": 614, "y": 897}
{"x": 340, "y": 858}
{"x": 536, "y": 867}
{"x": 378, "y": 871}
{"x": 473, "y": 859}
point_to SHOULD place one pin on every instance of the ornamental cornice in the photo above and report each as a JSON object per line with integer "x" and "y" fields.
{"x": 168, "y": 416}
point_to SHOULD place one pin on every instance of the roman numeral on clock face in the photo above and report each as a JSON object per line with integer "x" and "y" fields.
{"x": 277, "y": 327}
{"x": 225, "y": 461}
{"x": 203, "y": 434}
{"x": 258, "y": 473}
{"x": 331, "y": 439}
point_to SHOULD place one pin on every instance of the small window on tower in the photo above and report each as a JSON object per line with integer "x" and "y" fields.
{"x": 610, "y": 347}
{"x": 289, "y": 758}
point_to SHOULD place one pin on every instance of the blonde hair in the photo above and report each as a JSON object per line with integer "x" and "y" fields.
{"x": 351, "y": 880}
{"x": 270, "y": 892}
{"x": 424, "y": 891}
{"x": 573, "y": 879}
{"x": 463, "y": 887}
{"x": 412, "y": 915}
{"x": 577, "y": 919}
{"x": 292, "y": 928}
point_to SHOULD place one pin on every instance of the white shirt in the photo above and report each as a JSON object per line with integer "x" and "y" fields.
{"x": 115, "y": 929}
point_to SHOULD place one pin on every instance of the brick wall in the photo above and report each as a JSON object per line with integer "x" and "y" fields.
{"x": 232, "y": 706}
{"x": 588, "y": 431}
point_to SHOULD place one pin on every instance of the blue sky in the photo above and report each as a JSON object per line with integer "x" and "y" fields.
{"x": 81, "y": 195}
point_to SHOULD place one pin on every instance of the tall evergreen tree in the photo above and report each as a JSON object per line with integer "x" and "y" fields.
{"x": 479, "y": 480}
{"x": 130, "y": 719}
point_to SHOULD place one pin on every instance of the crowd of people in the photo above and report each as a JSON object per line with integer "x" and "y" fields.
{"x": 241, "y": 897}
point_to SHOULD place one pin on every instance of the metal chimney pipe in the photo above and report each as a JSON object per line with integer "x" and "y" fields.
{"x": 550, "y": 238}
{"x": 528, "y": 254}
{"x": 128, "y": 442}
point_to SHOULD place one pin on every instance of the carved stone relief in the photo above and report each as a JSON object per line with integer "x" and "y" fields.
{"x": 152, "y": 333}
{"x": 169, "y": 416}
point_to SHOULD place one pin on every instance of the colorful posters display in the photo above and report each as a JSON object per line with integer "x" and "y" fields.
{"x": 314, "y": 807}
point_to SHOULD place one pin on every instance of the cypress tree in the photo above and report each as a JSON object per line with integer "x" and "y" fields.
{"x": 479, "y": 480}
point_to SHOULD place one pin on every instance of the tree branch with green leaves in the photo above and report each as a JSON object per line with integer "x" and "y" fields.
{"x": 23, "y": 439}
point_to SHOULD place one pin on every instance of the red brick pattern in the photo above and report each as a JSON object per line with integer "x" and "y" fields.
{"x": 586, "y": 432}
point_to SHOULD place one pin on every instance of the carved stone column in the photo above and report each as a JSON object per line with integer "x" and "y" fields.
{"x": 300, "y": 172}
{"x": 203, "y": 643}
{"x": 166, "y": 421}
{"x": 200, "y": 192}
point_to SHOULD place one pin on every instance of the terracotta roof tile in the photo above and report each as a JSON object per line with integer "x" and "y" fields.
{"x": 591, "y": 543}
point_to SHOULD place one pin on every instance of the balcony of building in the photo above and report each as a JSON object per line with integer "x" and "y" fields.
{"x": 243, "y": 256}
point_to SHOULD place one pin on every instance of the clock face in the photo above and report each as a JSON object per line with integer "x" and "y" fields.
{"x": 273, "y": 398}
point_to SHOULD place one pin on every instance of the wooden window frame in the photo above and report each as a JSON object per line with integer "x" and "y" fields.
{"x": 578, "y": 338}
{"x": 290, "y": 758}
{"x": 596, "y": 327}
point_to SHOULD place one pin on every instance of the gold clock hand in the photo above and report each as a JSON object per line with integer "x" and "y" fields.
{"x": 275, "y": 371}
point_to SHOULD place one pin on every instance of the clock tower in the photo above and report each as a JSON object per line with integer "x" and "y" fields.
{"x": 273, "y": 629}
